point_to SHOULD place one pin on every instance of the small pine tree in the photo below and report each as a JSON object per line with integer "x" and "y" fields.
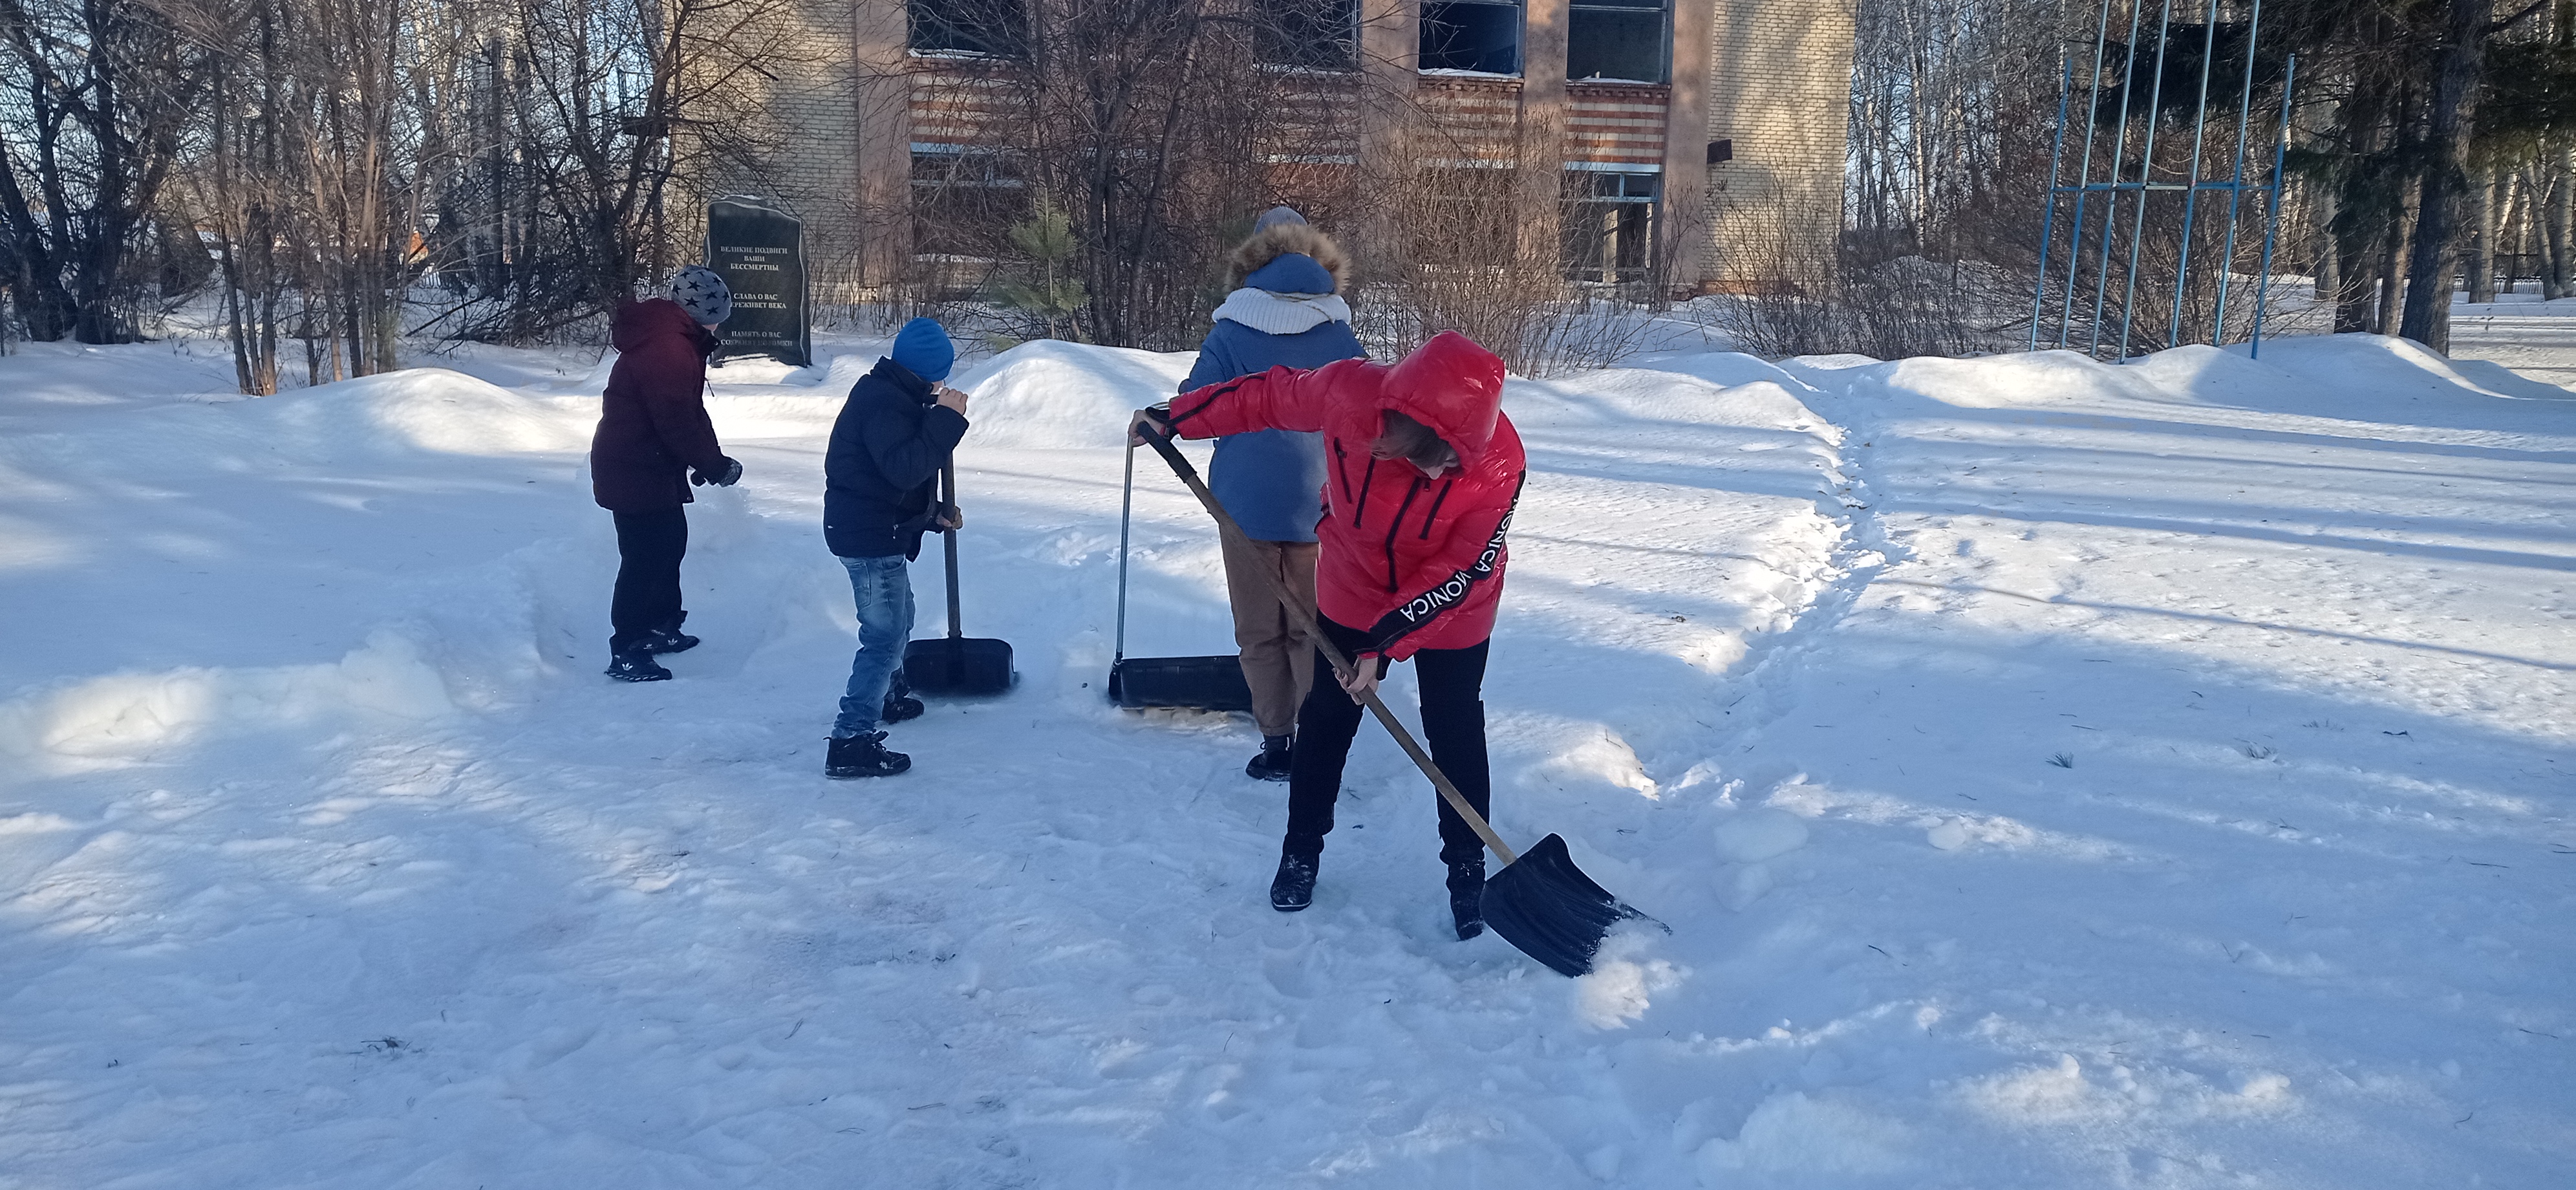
{"x": 1046, "y": 293}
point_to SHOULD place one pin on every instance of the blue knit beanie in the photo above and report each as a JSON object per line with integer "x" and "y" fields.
{"x": 922, "y": 347}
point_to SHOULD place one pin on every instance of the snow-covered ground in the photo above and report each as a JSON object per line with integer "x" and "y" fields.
{"x": 2056, "y": 774}
{"x": 2520, "y": 331}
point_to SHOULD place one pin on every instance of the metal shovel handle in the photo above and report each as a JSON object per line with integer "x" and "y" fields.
{"x": 1342, "y": 664}
{"x": 1126, "y": 505}
{"x": 948, "y": 509}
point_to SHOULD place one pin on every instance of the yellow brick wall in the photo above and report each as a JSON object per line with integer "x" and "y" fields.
{"x": 1780, "y": 90}
{"x": 808, "y": 117}
{"x": 1778, "y": 87}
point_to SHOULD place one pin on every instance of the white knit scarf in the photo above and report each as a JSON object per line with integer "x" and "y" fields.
{"x": 1283, "y": 313}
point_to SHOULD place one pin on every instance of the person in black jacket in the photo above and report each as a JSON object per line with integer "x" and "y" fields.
{"x": 894, "y": 434}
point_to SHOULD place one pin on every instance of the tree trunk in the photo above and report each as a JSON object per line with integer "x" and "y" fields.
{"x": 2358, "y": 243}
{"x": 2329, "y": 261}
{"x": 2479, "y": 269}
{"x": 2441, "y": 207}
{"x": 2365, "y": 210}
{"x": 2562, "y": 204}
{"x": 2391, "y": 273}
{"x": 2511, "y": 232}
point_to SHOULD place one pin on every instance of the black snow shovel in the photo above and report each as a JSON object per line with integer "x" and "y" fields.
{"x": 1195, "y": 683}
{"x": 956, "y": 663}
{"x": 1539, "y": 901}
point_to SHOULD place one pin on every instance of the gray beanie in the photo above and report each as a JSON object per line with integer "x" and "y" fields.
{"x": 1274, "y": 217}
{"x": 703, "y": 294}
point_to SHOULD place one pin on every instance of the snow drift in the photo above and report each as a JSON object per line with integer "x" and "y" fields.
{"x": 2057, "y": 774}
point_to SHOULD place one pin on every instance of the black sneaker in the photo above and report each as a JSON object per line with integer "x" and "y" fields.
{"x": 862, "y": 756}
{"x": 1467, "y": 897}
{"x": 899, "y": 708}
{"x": 668, "y": 640}
{"x": 637, "y": 667}
{"x": 1294, "y": 887}
{"x": 1272, "y": 764}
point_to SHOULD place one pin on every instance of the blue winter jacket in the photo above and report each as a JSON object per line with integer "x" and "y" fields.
{"x": 883, "y": 461}
{"x": 1272, "y": 481}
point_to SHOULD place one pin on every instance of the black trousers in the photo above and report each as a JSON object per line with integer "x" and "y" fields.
{"x": 649, "y": 546}
{"x": 1453, "y": 724}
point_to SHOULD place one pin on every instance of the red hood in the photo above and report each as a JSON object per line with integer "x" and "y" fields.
{"x": 1452, "y": 386}
{"x": 638, "y": 323}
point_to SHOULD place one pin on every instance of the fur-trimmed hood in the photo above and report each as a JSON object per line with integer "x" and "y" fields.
{"x": 1266, "y": 246}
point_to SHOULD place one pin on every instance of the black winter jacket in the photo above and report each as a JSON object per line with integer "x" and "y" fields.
{"x": 881, "y": 472}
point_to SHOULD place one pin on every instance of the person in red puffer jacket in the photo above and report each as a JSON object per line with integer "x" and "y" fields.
{"x": 1422, "y": 470}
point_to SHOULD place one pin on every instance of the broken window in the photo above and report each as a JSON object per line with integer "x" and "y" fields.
{"x": 1313, "y": 34}
{"x": 1480, "y": 36}
{"x": 984, "y": 28}
{"x": 1617, "y": 40}
{"x": 1608, "y": 223}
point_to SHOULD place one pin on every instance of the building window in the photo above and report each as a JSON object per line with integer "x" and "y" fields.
{"x": 981, "y": 28}
{"x": 964, "y": 203}
{"x": 1618, "y": 40}
{"x": 1309, "y": 34}
{"x": 1609, "y": 225}
{"x": 1477, "y": 36}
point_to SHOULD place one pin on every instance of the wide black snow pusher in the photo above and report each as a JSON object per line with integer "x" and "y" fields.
{"x": 957, "y": 664}
{"x": 1192, "y": 683}
{"x": 1540, "y": 901}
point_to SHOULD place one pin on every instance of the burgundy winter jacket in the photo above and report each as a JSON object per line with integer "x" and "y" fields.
{"x": 1417, "y": 562}
{"x": 653, "y": 422}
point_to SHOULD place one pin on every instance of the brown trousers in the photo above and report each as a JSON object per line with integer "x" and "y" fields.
{"x": 1278, "y": 660}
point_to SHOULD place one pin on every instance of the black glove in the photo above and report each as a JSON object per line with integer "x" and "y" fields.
{"x": 732, "y": 471}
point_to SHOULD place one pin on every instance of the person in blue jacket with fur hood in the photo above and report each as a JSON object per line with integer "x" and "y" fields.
{"x": 1285, "y": 309}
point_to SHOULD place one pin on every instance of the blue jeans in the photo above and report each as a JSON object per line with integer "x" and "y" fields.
{"x": 883, "y": 588}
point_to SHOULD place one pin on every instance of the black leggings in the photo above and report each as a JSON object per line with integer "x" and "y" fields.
{"x": 649, "y": 546}
{"x": 1453, "y": 724}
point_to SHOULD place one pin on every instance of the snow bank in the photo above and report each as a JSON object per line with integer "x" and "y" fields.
{"x": 2348, "y": 376}
{"x": 314, "y": 805}
{"x": 427, "y": 409}
{"x": 128, "y": 716}
{"x": 1048, "y": 394}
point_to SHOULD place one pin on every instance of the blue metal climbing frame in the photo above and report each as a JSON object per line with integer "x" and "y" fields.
{"x": 2151, "y": 178}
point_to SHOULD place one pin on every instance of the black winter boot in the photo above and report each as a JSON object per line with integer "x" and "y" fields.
{"x": 637, "y": 667}
{"x": 862, "y": 756}
{"x": 1467, "y": 896}
{"x": 1272, "y": 764}
{"x": 668, "y": 640}
{"x": 900, "y": 706}
{"x": 1294, "y": 887}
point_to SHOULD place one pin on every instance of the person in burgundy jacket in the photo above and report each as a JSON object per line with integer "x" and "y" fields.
{"x": 1421, "y": 470}
{"x": 653, "y": 441}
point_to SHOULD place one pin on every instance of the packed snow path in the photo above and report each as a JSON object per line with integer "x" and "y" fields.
{"x": 2057, "y": 775}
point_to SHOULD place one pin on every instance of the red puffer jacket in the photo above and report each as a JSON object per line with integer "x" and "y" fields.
{"x": 1417, "y": 562}
{"x": 653, "y": 419}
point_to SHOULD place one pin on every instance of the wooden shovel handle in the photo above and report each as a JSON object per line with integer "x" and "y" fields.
{"x": 1342, "y": 663}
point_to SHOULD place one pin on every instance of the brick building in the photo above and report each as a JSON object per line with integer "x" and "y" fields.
{"x": 1671, "y": 127}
